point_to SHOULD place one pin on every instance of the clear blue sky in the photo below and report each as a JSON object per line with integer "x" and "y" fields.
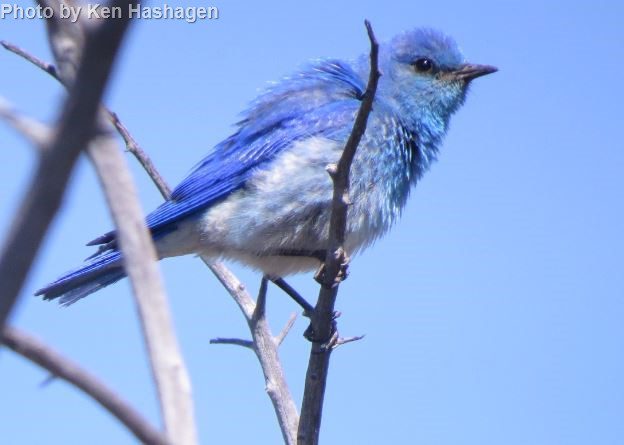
{"x": 493, "y": 311}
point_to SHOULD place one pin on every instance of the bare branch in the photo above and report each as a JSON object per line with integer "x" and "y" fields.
{"x": 168, "y": 368}
{"x": 260, "y": 309}
{"x": 67, "y": 38}
{"x": 278, "y": 340}
{"x": 135, "y": 242}
{"x": 46, "y": 189}
{"x": 232, "y": 341}
{"x": 133, "y": 147}
{"x": 37, "y": 133}
{"x": 344, "y": 341}
{"x": 131, "y": 144}
{"x": 277, "y": 387}
{"x": 322, "y": 321}
{"x": 289, "y": 324}
{"x": 61, "y": 367}
{"x": 266, "y": 350}
{"x": 47, "y": 67}
{"x": 233, "y": 285}
{"x": 265, "y": 347}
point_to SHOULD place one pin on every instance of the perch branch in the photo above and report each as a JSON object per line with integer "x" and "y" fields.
{"x": 322, "y": 326}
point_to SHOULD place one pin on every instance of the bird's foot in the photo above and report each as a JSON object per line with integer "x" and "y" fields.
{"x": 334, "y": 339}
{"x": 321, "y": 275}
{"x": 327, "y": 342}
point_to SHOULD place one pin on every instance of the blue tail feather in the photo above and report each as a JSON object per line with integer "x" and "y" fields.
{"x": 96, "y": 273}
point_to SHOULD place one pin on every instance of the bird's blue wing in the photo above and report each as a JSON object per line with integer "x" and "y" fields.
{"x": 319, "y": 101}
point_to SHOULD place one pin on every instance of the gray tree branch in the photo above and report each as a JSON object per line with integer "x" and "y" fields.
{"x": 61, "y": 367}
{"x": 265, "y": 350}
{"x": 75, "y": 128}
{"x": 138, "y": 252}
{"x": 279, "y": 339}
{"x": 46, "y": 357}
{"x": 168, "y": 368}
{"x": 322, "y": 320}
{"x": 35, "y": 132}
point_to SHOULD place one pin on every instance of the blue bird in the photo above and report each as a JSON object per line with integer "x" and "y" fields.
{"x": 263, "y": 196}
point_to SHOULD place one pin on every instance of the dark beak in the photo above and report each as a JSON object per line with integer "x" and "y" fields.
{"x": 469, "y": 71}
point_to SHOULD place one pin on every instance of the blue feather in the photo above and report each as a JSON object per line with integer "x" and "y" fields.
{"x": 260, "y": 137}
{"x": 94, "y": 274}
{"x": 263, "y": 197}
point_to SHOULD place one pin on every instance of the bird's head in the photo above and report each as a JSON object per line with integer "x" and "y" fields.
{"x": 425, "y": 72}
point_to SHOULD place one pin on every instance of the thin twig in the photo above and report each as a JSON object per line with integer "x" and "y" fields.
{"x": 35, "y": 132}
{"x": 232, "y": 341}
{"x": 322, "y": 320}
{"x": 289, "y": 324}
{"x": 278, "y": 339}
{"x": 47, "y": 67}
{"x": 133, "y": 147}
{"x": 131, "y": 144}
{"x": 62, "y": 367}
{"x": 345, "y": 340}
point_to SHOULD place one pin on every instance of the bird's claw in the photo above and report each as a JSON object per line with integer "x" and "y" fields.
{"x": 343, "y": 270}
{"x": 334, "y": 340}
{"x": 326, "y": 343}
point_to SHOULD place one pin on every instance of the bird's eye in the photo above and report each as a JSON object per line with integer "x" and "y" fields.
{"x": 423, "y": 65}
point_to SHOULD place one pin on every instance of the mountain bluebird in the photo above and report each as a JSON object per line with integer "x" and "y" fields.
{"x": 263, "y": 195}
